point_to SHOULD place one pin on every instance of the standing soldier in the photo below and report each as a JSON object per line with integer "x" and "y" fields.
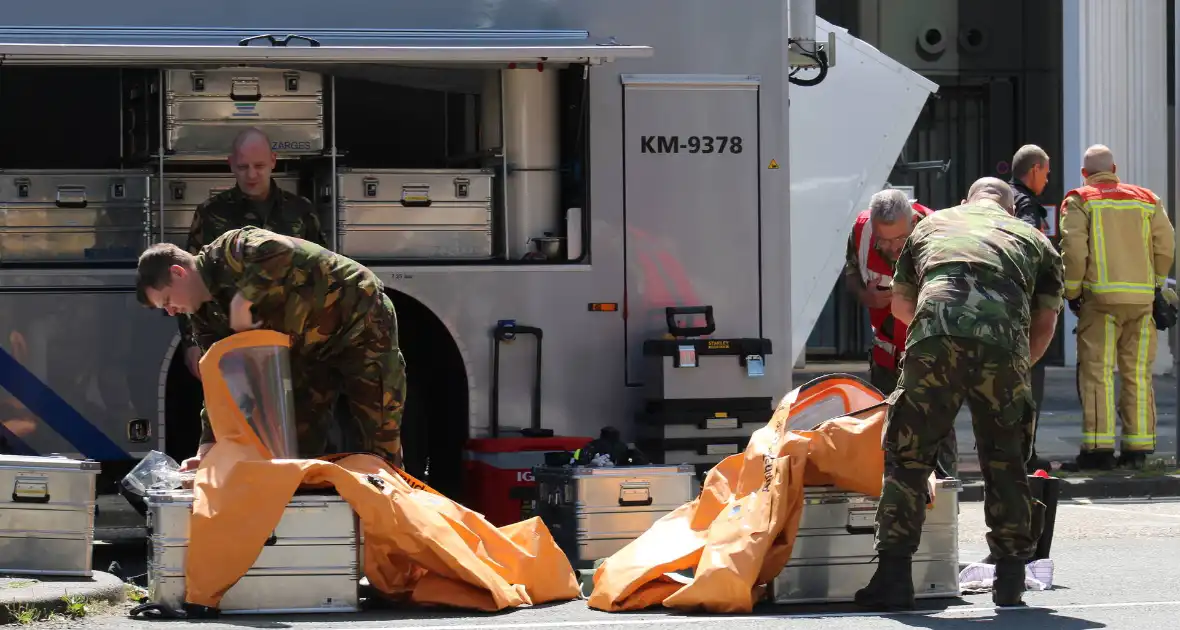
{"x": 343, "y": 326}
{"x": 1117, "y": 244}
{"x": 980, "y": 291}
{"x": 255, "y": 200}
{"x": 873, "y": 245}
{"x": 1030, "y": 175}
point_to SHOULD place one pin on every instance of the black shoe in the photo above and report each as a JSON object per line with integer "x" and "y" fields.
{"x": 1096, "y": 460}
{"x": 1132, "y": 460}
{"x": 891, "y": 588}
{"x": 1009, "y": 582}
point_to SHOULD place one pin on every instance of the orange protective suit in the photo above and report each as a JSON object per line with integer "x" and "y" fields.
{"x": 739, "y": 533}
{"x": 419, "y": 545}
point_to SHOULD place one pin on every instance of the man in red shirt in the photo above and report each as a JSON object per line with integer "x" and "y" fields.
{"x": 873, "y": 245}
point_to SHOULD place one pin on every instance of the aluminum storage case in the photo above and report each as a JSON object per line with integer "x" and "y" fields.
{"x": 594, "y": 512}
{"x": 204, "y": 110}
{"x": 833, "y": 555}
{"x": 47, "y": 515}
{"x": 414, "y": 214}
{"x": 311, "y": 564}
{"x": 183, "y": 192}
{"x": 71, "y": 216}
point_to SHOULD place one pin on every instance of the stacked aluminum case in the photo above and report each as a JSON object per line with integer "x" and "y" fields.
{"x": 414, "y": 214}
{"x": 46, "y": 515}
{"x": 183, "y": 192}
{"x": 56, "y": 216}
{"x": 310, "y": 564}
{"x": 833, "y": 555}
{"x": 593, "y": 512}
{"x": 205, "y": 109}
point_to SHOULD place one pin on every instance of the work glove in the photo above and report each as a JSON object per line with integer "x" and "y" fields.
{"x": 1075, "y": 305}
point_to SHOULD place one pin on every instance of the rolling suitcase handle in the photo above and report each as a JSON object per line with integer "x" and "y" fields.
{"x": 507, "y": 330}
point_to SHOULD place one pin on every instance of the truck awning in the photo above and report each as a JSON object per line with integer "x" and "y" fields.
{"x": 151, "y": 46}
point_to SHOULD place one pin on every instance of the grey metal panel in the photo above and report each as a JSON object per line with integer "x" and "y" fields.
{"x": 105, "y": 44}
{"x": 691, "y": 180}
{"x": 100, "y": 351}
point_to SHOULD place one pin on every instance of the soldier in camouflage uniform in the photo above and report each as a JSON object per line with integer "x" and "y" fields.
{"x": 255, "y": 200}
{"x": 342, "y": 325}
{"x": 980, "y": 290}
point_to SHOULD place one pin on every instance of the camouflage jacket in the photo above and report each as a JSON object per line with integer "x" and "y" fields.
{"x": 282, "y": 212}
{"x": 313, "y": 294}
{"x": 976, "y": 271}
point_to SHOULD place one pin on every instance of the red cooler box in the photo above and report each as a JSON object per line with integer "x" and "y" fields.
{"x": 500, "y": 474}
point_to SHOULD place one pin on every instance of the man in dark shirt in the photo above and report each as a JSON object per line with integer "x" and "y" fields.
{"x": 1030, "y": 175}
{"x": 255, "y": 200}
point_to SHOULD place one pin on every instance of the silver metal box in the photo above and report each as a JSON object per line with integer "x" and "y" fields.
{"x": 55, "y": 216}
{"x": 47, "y": 515}
{"x": 419, "y": 214}
{"x": 593, "y": 512}
{"x": 833, "y": 555}
{"x": 183, "y": 192}
{"x": 309, "y": 565}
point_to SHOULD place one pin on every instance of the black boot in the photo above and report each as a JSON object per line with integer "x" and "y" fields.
{"x": 1009, "y": 582}
{"x": 1132, "y": 460}
{"x": 892, "y": 586}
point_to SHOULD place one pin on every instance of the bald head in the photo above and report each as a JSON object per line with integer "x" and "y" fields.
{"x": 252, "y": 161}
{"x": 992, "y": 189}
{"x": 1097, "y": 159}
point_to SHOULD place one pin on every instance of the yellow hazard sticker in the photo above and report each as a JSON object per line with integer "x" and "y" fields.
{"x": 773, "y": 164}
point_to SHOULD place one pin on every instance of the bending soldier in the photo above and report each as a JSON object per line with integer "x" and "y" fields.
{"x": 343, "y": 326}
{"x": 980, "y": 291}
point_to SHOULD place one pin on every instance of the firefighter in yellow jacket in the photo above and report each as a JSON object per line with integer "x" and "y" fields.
{"x": 1117, "y": 245}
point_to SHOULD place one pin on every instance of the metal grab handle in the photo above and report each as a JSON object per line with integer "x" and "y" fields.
{"x": 71, "y": 196}
{"x": 279, "y": 41}
{"x": 861, "y": 521}
{"x": 634, "y": 493}
{"x": 415, "y": 195}
{"x": 245, "y": 90}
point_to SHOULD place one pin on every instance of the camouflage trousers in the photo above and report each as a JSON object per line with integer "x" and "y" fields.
{"x": 370, "y": 372}
{"x": 885, "y": 380}
{"x": 939, "y": 373}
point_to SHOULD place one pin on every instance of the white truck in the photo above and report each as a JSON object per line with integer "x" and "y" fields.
{"x": 574, "y": 167}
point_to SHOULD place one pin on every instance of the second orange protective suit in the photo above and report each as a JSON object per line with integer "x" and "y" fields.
{"x": 739, "y": 533}
{"x": 419, "y": 546}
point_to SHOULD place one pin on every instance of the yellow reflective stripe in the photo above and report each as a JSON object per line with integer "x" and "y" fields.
{"x": 1073, "y": 284}
{"x": 1139, "y": 440}
{"x": 1120, "y": 287}
{"x": 1161, "y": 281}
{"x": 1098, "y": 237}
{"x": 1146, "y": 235}
{"x": 1105, "y": 424}
{"x": 1142, "y": 393}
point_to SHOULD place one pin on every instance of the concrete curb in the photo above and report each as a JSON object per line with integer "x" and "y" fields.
{"x": 47, "y": 594}
{"x": 1097, "y": 488}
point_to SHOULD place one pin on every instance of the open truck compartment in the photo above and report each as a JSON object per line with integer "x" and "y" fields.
{"x": 426, "y": 159}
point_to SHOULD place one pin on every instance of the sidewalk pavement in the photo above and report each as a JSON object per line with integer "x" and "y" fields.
{"x": 30, "y": 598}
{"x": 1059, "y": 436}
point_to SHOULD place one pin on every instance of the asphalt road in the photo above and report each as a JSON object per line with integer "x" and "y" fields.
{"x": 1115, "y": 568}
